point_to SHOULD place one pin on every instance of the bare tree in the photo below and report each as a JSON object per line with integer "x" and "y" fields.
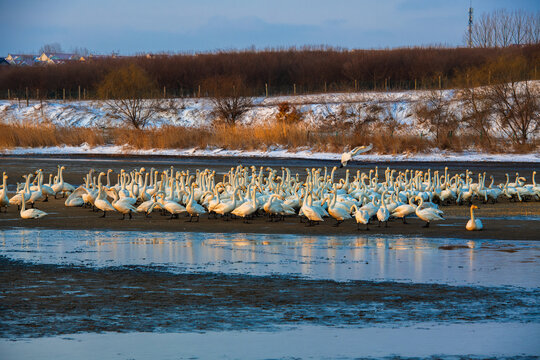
{"x": 51, "y": 48}
{"x": 476, "y": 112}
{"x": 515, "y": 100}
{"x": 81, "y": 51}
{"x": 128, "y": 93}
{"x": 229, "y": 98}
{"x": 502, "y": 28}
{"x": 436, "y": 113}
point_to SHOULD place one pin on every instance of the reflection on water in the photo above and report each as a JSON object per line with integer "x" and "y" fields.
{"x": 342, "y": 258}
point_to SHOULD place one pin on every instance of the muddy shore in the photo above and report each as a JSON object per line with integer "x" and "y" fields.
{"x": 504, "y": 220}
{"x": 45, "y": 300}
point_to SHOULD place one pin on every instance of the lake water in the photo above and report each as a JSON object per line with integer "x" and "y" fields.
{"x": 361, "y": 257}
{"x": 484, "y": 263}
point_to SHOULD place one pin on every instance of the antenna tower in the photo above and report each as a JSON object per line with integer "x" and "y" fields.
{"x": 469, "y": 40}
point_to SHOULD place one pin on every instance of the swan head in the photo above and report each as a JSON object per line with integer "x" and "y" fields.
{"x": 474, "y": 207}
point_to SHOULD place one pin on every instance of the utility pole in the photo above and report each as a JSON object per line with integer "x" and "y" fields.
{"x": 469, "y": 40}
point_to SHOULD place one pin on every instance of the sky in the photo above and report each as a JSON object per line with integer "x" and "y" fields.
{"x": 141, "y": 26}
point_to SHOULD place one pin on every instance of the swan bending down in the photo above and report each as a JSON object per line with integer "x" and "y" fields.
{"x": 346, "y": 157}
{"x": 474, "y": 224}
{"x": 361, "y": 217}
{"x": 31, "y": 213}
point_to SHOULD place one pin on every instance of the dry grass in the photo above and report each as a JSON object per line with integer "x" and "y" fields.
{"x": 285, "y": 135}
{"x": 46, "y": 135}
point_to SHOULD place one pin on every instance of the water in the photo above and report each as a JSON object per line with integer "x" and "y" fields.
{"x": 310, "y": 342}
{"x": 505, "y": 270}
{"x": 388, "y": 258}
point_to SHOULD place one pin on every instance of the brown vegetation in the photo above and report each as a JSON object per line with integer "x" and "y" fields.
{"x": 307, "y": 70}
{"x": 128, "y": 92}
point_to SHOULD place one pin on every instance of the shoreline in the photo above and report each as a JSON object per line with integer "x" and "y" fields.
{"x": 502, "y": 221}
{"x": 114, "y": 151}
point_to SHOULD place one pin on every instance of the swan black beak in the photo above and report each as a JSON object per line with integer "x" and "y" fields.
{"x": 340, "y": 166}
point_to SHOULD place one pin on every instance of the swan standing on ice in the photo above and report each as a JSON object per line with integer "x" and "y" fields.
{"x": 346, "y": 157}
{"x": 474, "y": 224}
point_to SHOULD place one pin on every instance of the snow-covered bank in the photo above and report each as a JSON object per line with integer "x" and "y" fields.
{"x": 436, "y": 156}
{"x": 194, "y": 112}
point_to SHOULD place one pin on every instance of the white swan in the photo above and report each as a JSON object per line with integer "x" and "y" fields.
{"x": 31, "y": 213}
{"x": 75, "y": 199}
{"x": 124, "y": 206}
{"x": 101, "y": 201}
{"x": 427, "y": 214}
{"x": 248, "y": 208}
{"x": 405, "y": 210}
{"x": 313, "y": 215}
{"x": 346, "y": 157}
{"x": 361, "y": 217}
{"x": 338, "y": 212}
{"x": 474, "y": 224}
{"x": 171, "y": 207}
{"x": 383, "y": 214}
{"x": 193, "y": 208}
{"x": 4, "y": 200}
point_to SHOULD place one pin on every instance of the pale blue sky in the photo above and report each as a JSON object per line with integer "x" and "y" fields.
{"x": 135, "y": 26}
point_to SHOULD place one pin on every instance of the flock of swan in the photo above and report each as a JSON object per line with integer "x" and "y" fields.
{"x": 244, "y": 192}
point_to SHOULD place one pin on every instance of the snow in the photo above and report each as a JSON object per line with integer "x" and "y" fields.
{"x": 317, "y": 109}
{"x": 193, "y": 112}
{"x": 276, "y": 152}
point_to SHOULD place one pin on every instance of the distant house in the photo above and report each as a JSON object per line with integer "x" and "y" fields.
{"x": 58, "y": 58}
{"x": 21, "y": 59}
{"x": 3, "y": 62}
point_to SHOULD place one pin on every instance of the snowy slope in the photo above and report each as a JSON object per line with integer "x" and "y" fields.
{"x": 197, "y": 112}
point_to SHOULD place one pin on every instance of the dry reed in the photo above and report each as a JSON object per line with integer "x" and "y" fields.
{"x": 262, "y": 137}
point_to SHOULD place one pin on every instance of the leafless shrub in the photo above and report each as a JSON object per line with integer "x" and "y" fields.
{"x": 514, "y": 99}
{"x": 288, "y": 114}
{"x": 229, "y": 98}
{"x": 436, "y": 114}
{"x": 128, "y": 93}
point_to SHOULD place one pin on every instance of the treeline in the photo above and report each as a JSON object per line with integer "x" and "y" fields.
{"x": 276, "y": 72}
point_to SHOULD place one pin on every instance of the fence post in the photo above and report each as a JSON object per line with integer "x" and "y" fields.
{"x": 415, "y": 84}
{"x": 79, "y": 92}
{"x": 199, "y": 93}
{"x": 439, "y": 82}
{"x": 164, "y": 92}
{"x": 294, "y": 89}
{"x": 27, "y": 103}
{"x": 64, "y": 94}
{"x": 325, "y": 86}
{"x": 84, "y": 94}
{"x": 355, "y": 85}
{"x": 266, "y": 89}
{"x": 8, "y": 95}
